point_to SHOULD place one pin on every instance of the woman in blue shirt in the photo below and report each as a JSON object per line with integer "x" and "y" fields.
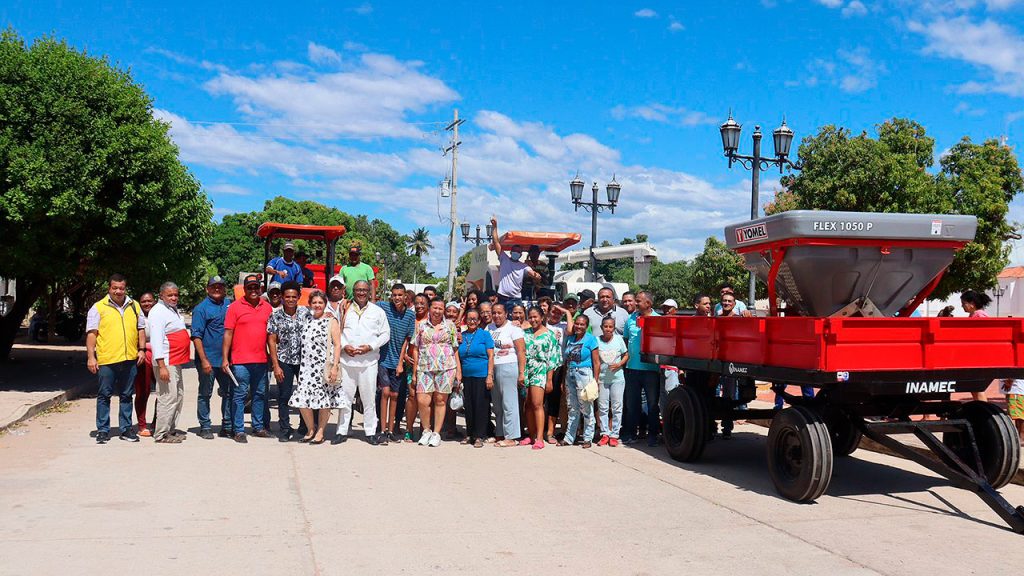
{"x": 584, "y": 363}
{"x": 476, "y": 356}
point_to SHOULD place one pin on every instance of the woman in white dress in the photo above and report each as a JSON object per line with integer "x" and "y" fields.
{"x": 318, "y": 384}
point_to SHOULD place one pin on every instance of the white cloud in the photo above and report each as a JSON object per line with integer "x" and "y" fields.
{"x": 965, "y": 109}
{"x": 322, "y": 54}
{"x": 655, "y": 112}
{"x": 232, "y": 189}
{"x": 989, "y": 45}
{"x": 369, "y": 98}
{"x": 854, "y": 8}
{"x": 851, "y": 71}
{"x": 645, "y": 13}
{"x": 364, "y": 8}
{"x": 676, "y": 26}
{"x": 831, "y": 3}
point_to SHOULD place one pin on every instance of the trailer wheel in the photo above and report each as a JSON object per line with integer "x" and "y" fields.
{"x": 996, "y": 437}
{"x": 799, "y": 454}
{"x": 686, "y": 424}
{"x": 843, "y": 431}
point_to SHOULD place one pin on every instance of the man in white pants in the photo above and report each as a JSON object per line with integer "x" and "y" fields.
{"x": 363, "y": 332}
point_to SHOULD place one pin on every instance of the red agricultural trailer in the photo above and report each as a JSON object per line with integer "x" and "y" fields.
{"x": 850, "y": 282}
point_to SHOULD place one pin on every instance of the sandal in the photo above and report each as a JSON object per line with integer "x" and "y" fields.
{"x": 478, "y": 444}
{"x": 551, "y": 440}
{"x": 506, "y": 443}
{"x": 315, "y": 441}
{"x": 563, "y": 443}
{"x": 526, "y": 441}
{"x": 464, "y": 440}
{"x": 305, "y": 439}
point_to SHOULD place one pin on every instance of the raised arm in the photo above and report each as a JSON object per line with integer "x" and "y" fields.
{"x": 495, "y": 243}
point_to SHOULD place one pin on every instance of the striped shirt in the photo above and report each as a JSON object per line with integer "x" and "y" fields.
{"x": 402, "y": 326}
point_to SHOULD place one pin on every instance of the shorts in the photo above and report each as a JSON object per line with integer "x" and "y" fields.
{"x": 388, "y": 380}
{"x": 428, "y": 381}
{"x": 1015, "y": 406}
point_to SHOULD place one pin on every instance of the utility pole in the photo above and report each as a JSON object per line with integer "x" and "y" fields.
{"x": 454, "y": 149}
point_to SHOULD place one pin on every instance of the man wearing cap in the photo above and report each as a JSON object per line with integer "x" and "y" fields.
{"x": 336, "y": 298}
{"x": 587, "y": 298}
{"x": 511, "y": 271}
{"x": 285, "y": 268}
{"x": 245, "y": 356}
{"x": 208, "y": 339}
{"x": 669, "y": 307}
{"x": 273, "y": 295}
{"x": 606, "y": 308}
{"x": 356, "y": 271}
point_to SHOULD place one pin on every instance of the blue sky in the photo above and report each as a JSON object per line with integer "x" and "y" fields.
{"x": 345, "y": 102}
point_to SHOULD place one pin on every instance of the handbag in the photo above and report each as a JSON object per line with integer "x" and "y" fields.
{"x": 456, "y": 401}
{"x": 590, "y": 392}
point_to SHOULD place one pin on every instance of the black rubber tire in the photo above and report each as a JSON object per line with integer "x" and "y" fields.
{"x": 799, "y": 454}
{"x": 843, "y": 431}
{"x": 997, "y": 439}
{"x": 686, "y": 424}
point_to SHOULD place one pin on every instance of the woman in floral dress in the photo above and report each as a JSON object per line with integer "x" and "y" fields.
{"x": 318, "y": 387}
{"x": 543, "y": 356}
{"x": 437, "y": 369}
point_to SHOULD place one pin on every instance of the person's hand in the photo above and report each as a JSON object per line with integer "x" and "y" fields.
{"x": 225, "y": 367}
{"x": 521, "y": 381}
{"x": 494, "y": 220}
{"x": 365, "y": 349}
{"x": 400, "y": 369}
{"x": 165, "y": 374}
{"x": 281, "y": 273}
{"x": 141, "y": 358}
{"x": 490, "y": 382}
{"x": 92, "y": 365}
{"x": 350, "y": 350}
{"x": 332, "y": 376}
{"x": 207, "y": 367}
{"x": 278, "y": 374}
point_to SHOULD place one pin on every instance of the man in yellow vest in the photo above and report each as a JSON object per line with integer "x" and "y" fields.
{"x": 115, "y": 328}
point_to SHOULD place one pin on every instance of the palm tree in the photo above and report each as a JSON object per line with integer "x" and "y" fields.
{"x": 418, "y": 244}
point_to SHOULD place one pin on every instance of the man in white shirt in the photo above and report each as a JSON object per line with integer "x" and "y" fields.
{"x": 364, "y": 331}
{"x": 510, "y": 271}
{"x": 606, "y": 308}
{"x": 171, "y": 351}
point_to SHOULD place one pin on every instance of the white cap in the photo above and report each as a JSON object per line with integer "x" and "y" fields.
{"x": 453, "y": 304}
{"x": 670, "y": 302}
{"x": 336, "y": 278}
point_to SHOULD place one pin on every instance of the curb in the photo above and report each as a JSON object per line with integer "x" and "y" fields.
{"x": 72, "y": 393}
{"x": 872, "y": 446}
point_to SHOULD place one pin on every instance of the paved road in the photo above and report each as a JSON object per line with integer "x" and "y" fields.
{"x": 69, "y": 506}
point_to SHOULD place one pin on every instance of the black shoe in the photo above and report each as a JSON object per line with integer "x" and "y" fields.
{"x": 261, "y": 434}
{"x": 241, "y": 439}
{"x": 129, "y": 435}
{"x": 393, "y": 439}
{"x": 338, "y": 439}
{"x": 102, "y": 437}
{"x": 206, "y": 434}
{"x": 225, "y": 433}
{"x": 284, "y": 436}
{"x": 373, "y": 440}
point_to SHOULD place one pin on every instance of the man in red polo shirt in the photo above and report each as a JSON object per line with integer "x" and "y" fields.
{"x": 245, "y": 357}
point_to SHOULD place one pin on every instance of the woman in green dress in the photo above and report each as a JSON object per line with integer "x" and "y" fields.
{"x": 543, "y": 356}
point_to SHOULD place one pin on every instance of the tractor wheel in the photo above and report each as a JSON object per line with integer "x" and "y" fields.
{"x": 799, "y": 454}
{"x": 686, "y": 424}
{"x": 843, "y": 431}
{"x": 997, "y": 441}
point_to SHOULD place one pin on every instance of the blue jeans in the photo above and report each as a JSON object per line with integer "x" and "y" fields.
{"x": 805, "y": 391}
{"x": 118, "y": 378}
{"x": 284, "y": 392}
{"x": 224, "y": 386}
{"x": 641, "y": 384}
{"x": 575, "y": 380}
{"x": 254, "y": 376}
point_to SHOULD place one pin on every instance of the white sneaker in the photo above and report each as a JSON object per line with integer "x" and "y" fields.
{"x": 435, "y": 440}
{"x": 425, "y": 437}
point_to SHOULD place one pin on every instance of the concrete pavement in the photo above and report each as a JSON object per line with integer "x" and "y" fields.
{"x": 40, "y": 376}
{"x": 270, "y": 508}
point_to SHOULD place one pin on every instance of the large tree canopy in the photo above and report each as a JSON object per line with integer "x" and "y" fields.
{"x": 234, "y": 247}
{"x": 90, "y": 182}
{"x": 842, "y": 171}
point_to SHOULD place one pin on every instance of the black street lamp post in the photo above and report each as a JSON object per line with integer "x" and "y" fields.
{"x": 783, "y": 139}
{"x": 478, "y": 239}
{"x": 593, "y": 206}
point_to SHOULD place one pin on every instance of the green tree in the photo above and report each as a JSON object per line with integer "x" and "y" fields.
{"x": 672, "y": 280}
{"x": 90, "y": 182}
{"x": 716, "y": 265}
{"x": 890, "y": 174}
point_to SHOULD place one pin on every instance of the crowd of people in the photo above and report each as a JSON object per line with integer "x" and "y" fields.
{"x": 523, "y": 373}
